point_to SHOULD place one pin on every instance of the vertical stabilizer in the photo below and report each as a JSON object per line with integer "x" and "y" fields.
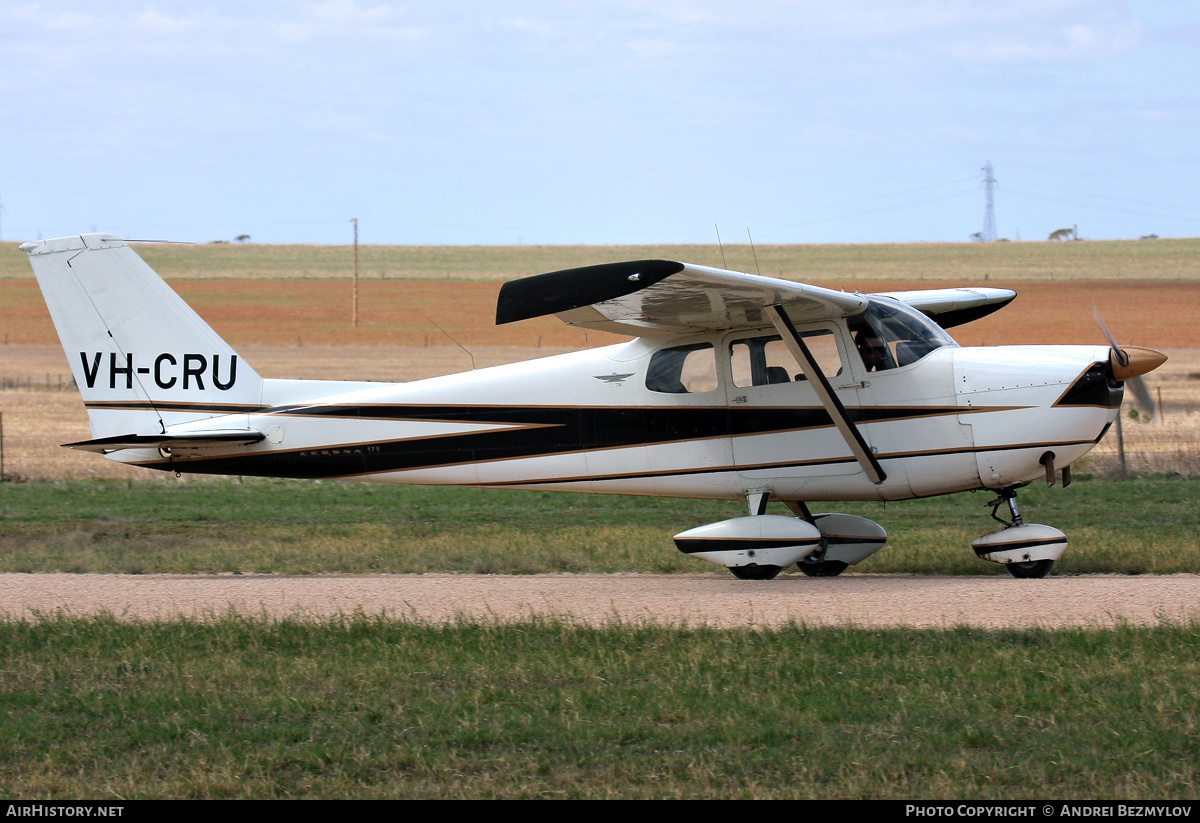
{"x": 143, "y": 360}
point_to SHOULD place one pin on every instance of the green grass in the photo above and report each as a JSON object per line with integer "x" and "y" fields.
{"x": 1163, "y": 259}
{"x": 368, "y": 708}
{"x": 1148, "y": 525}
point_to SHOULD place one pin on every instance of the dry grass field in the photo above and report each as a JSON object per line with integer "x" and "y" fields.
{"x": 1162, "y": 259}
{"x": 287, "y": 309}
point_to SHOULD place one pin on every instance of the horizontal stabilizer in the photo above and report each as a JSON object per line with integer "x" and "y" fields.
{"x": 191, "y": 440}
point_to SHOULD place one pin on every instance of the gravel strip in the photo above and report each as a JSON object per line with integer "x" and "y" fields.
{"x": 694, "y": 600}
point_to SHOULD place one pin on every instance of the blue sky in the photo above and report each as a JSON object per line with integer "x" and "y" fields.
{"x": 588, "y": 122}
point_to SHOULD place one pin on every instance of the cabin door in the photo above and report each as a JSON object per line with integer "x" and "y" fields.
{"x": 782, "y": 435}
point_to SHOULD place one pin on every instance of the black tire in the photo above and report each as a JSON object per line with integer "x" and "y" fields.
{"x": 823, "y": 568}
{"x": 1030, "y": 569}
{"x": 755, "y": 572}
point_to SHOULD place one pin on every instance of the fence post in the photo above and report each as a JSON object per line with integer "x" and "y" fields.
{"x": 1121, "y": 444}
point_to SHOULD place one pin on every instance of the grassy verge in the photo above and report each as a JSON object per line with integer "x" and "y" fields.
{"x": 1149, "y": 525}
{"x": 362, "y": 707}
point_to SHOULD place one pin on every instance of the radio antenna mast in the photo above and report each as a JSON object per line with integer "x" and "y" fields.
{"x": 721, "y": 246}
{"x": 988, "y": 235}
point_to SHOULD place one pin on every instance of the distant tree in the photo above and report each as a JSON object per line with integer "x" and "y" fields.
{"x": 1149, "y": 237}
{"x": 976, "y": 237}
{"x": 242, "y": 238}
{"x": 1062, "y": 234}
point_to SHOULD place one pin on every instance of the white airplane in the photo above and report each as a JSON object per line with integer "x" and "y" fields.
{"x": 735, "y": 386}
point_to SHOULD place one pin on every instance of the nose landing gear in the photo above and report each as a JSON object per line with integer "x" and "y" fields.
{"x": 1027, "y": 550}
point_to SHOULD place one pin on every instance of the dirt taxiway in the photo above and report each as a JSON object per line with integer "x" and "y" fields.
{"x": 692, "y": 600}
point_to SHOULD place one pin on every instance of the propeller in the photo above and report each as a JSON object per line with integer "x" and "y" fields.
{"x": 1128, "y": 364}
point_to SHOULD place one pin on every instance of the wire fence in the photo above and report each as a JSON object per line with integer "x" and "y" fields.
{"x": 48, "y": 382}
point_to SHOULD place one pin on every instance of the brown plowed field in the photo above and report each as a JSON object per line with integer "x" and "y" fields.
{"x": 303, "y": 312}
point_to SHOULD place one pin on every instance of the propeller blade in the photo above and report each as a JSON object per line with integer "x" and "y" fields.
{"x": 1121, "y": 357}
{"x": 1141, "y": 396}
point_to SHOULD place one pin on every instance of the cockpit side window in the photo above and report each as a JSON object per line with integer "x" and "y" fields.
{"x": 683, "y": 370}
{"x": 766, "y": 360}
{"x": 891, "y": 335}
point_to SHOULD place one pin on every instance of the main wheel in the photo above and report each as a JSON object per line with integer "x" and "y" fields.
{"x": 823, "y": 568}
{"x": 1030, "y": 568}
{"x": 755, "y": 572}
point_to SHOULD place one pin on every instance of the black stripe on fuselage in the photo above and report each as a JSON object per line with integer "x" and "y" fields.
{"x": 531, "y": 432}
{"x": 534, "y": 432}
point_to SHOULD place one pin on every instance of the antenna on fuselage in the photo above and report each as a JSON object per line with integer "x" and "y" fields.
{"x": 720, "y": 246}
{"x": 452, "y": 340}
{"x": 752, "y": 251}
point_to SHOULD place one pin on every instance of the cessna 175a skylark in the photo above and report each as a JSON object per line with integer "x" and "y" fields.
{"x": 735, "y": 386}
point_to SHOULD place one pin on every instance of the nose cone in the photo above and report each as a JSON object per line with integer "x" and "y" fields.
{"x": 1134, "y": 361}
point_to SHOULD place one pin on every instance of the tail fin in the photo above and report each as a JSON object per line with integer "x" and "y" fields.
{"x": 143, "y": 360}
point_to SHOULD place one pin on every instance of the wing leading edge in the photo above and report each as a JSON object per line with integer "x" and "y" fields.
{"x": 665, "y": 297}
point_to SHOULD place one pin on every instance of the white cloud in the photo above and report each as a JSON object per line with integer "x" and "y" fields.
{"x": 1067, "y": 43}
{"x": 155, "y": 22}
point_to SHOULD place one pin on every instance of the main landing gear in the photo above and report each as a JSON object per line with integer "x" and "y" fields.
{"x": 762, "y": 545}
{"x": 756, "y": 572}
{"x": 1027, "y": 550}
{"x": 822, "y": 568}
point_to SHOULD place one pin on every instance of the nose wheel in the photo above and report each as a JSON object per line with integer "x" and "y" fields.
{"x": 1026, "y": 550}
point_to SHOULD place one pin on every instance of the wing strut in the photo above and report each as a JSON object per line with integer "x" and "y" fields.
{"x": 799, "y": 349}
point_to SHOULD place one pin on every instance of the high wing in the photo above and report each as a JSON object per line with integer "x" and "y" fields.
{"x": 664, "y": 297}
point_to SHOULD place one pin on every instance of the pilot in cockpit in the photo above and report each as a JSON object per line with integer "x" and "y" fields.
{"x": 872, "y": 350}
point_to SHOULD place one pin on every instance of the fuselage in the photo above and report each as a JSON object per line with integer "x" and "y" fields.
{"x": 605, "y": 420}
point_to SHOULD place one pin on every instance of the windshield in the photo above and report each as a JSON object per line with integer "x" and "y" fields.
{"x": 891, "y": 335}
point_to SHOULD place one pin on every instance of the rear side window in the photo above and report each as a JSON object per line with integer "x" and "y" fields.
{"x": 683, "y": 370}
